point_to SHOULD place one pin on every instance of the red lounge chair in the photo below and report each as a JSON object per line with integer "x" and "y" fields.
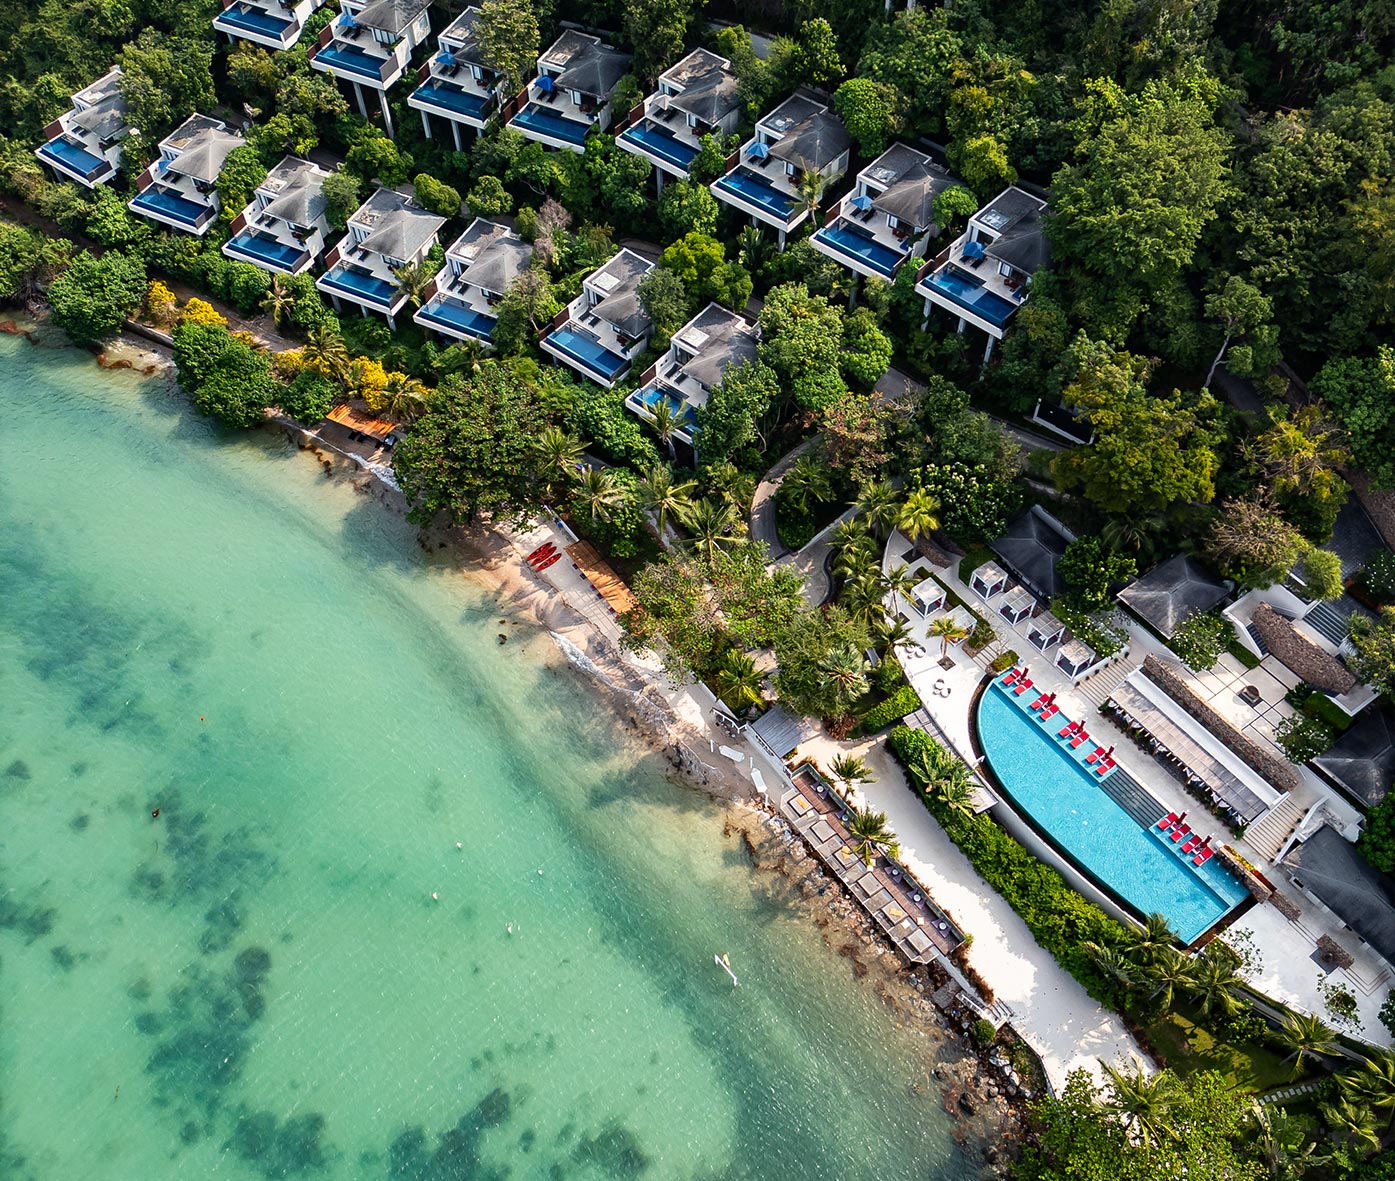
{"x": 1071, "y": 728}
{"x": 1039, "y": 702}
{"x": 1094, "y": 755}
{"x": 1080, "y": 739}
{"x": 543, "y": 565}
{"x": 1189, "y": 846}
{"x": 1050, "y": 712}
{"x": 1012, "y": 676}
{"x": 1023, "y": 686}
{"x": 1204, "y": 856}
{"x": 1168, "y": 821}
{"x": 1182, "y": 830}
{"x": 1105, "y": 767}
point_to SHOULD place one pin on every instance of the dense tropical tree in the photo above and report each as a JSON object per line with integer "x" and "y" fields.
{"x": 663, "y": 495}
{"x": 1145, "y": 1102}
{"x": 93, "y": 297}
{"x": 509, "y": 37}
{"x": 805, "y": 484}
{"x": 737, "y": 681}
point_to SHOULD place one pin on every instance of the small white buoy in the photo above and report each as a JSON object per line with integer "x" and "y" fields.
{"x": 509, "y": 928}
{"x": 539, "y": 873}
{"x": 458, "y": 845}
{"x": 435, "y": 897}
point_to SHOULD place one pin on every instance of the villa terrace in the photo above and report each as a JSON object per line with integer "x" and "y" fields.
{"x": 370, "y": 44}
{"x": 456, "y": 84}
{"x": 272, "y": 24}
{"x": 481, "y": 265}
{"x": 584, "y": 70}
{"x": 180, "y": 189}
{"x": 888, "y": 217}
{"x": 84, "y": 144}
{"x": 802, "y": 137}
{"x": 283, "y": 229}
{"x": 698, "y": 355}
{"x": 386, "y": 233}
{"x": 696, "y": 97}
{"x": 983, "y": 275}
{"x": 602, "y": 331}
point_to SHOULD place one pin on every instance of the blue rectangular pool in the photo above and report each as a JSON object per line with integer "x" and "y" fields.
{"x": 267, "y": 252}
{"x": 1050, "y": 785}
{"x": 546, "y": 121}
{"x": 456, "y": 318}
{"x": 73, "y": 158}
{"x": 171, "y": 205}
{"x": 254, "y": 20}
{"x": 360, "y": 285}
{"x": 969, "y": 293}
{"x": 755, "y": 191}
{"x": 661, "y": 143}
{"x": 851, "y": 243}
{"x": 452, "y": 99}
{"x": 586, "y": 351}
{"x": 683, "y": 412}
{"x": 339, "y": 56}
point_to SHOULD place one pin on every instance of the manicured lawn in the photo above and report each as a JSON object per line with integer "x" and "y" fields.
{"x": 1188, "y": 1047}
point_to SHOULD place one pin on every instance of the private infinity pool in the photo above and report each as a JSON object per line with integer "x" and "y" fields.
{"x": 1055, "y": 791}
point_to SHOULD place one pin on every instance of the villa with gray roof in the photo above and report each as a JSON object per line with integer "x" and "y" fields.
{"x": 888, "y": 217}
{"x": 272, "y": 24}
{"x": 801, "y": 138}
{"x": 84, "y": 144}
{"x": 984, "y": 274}
{"x": 481, "y": 266}
{"x": 456, "y": 85}
{"x": 698, "y": 96}
{"x": 1329, "y": 869}
{"x": 1362, "y": 760}
{"x": 283, "y": 229}
{"x": 602, "y": 331}
{"x": 370, "y": 43}
{"x": 570, "y": 97}
{"x": 698, "y": 356}
{"x": 1171, "y": 593}
{"x": 386, "y": 233}
{"x": 180, "y": 189}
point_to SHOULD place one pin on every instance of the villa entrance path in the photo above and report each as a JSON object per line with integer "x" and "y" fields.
{"x": 763, "y": 502}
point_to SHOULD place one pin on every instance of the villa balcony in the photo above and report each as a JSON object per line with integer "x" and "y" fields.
{"x": 454, "y": 93}
{"x": 552, "y": 119}
{"x": 971, "y": 288}
{"x": 655, "y": 388}
{"x": 73, "y": 158}
{"x": 273, "y": 247}
{"x": 362, "y": 279}
{"x": 762, "y": 188}
{"x": 269, "y": 23}
{"x": 457, "y": 310}
{"x": 662, "y": 136}
{"x": 863, "y": 241}
{"x": 351, "y": 53}
{"x": 583, "y": 341}
{"x": 172, "y": 205}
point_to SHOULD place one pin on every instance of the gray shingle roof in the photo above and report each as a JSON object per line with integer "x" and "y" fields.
{"x": 1031, "y": 547}
{"x": 398, "y": 226}
{"x": 728, "y": 339}
{"x": 1362, "y": 761}
{"x": 392, "y": 16}
{"x": 618, "y": 283}
{"x": 500, "y": 261}
{"x": 710, "y": 89}
{"x": 911, "y": 196}
{"x": 586, "y": 63}
{"x": 463, "y": 31}
{"x": 105, "y": 119}
{"x": 1023, "y": 245}
{"x": 1331, "y": 869}
{"x": 203, "y": 145}
{"x": 813, "y": 143}
{"x": 299, "y": 188}
{"x": 1170, "y": 594}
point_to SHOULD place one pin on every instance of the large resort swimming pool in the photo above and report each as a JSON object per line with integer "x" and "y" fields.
{"x": 1120, "y": 848}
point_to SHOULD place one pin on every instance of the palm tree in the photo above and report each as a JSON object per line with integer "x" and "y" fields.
{"x": 1306, "y": 1036}
{"x": 919, "y": 516}
{"x": 930, "y": 765}
{"x": 845, "y": 671}
{"x": 277, "y": 300}
{"x": 751, "y": 248}
{"x": 1155, "y": 936}
{"x": 806, "y": 484}
{"x": 851, "y": 770}
{"x": 810, "y": 187}
{"x": 1111, "y": 963}
{"x": 598, "y": 492}
{"x": 955, "y": 789}
{"x": 711, "y": 525}
{"x": 737, "y": 681}
{"x": 662, "y": 495}
{"x": 864, "y": 598}
{"x": 1145, "y": 1102}
{"x": 404, "y": 397}
{"x": 899, "y": 582}
{"x": 1352, "y": 1122}
{"x": 325, "y": 351}
{"x": 664, "y": 424}
{"x": 880, "y": 505}
{"x": 1214, "y": 982}
{"x": 411, "y": 282}
{"x": 891, "y": 635}
{"x": 1138, "y": 534}
{"x": 947, "y": 630}
{"x": 869, "y": 834}
{"x": 1165, "y": 974}
{"x": 1285, "y": 1149}
{"x": 1373, "y": 1082}
{"x": 734, "y": 486}
{"x": 559, "y": 458}
{"x": 857, "y": 560}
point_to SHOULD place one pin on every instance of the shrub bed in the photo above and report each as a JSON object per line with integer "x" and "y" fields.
{"x": 902, "y": 702}
{"x": 1060, "y": 919}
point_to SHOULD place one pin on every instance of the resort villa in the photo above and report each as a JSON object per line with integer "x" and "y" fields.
{"x": 888, "y": 217}
{"x": 602, "y": 331}
{"x": 698, "y": 355}
{"x": 272, "y": 24}
{"x": 481, "y": 265}
{"x": 84, "y": 144}
{"x": 386, "y": 233}
{"x": 284, "y": 227}
{"x": 696, "y": 97}
{"x": 983, "y": 276}
{"x": 180, "y": 189}
{"x": 777, "y": 175}
{"x": 456, "y": 85}
{"x": 370, "y": 44}
{"x": 570, "y": 97}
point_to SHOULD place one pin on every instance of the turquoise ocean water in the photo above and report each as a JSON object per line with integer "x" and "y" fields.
{"x": 258, "y": 983}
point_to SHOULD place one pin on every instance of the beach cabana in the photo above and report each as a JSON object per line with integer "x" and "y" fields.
{"x": 1019, "y": 605}
{"x": 1045, "y": 630}
{"x": 1074, "y": 658}
{"x": 928, "y": 596}
{"x": 988, "y": 580}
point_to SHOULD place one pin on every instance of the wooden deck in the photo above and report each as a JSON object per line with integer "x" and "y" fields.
{"x": 599, "y": 574}
{"x": 363, "y": 420}
{"x": 895, "y": 900}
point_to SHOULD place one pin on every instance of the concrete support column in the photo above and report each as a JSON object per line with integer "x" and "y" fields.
{"x": 362, "y": 105}
{"x": 659, "y": 179}
{"x": 962, "y": 325}
{"x": 455, "y": 130}
{"x": 387, "y": 115}
{"x": 425, "y": 124}
{"x": 925, "y": 319}
{"x": 781, "y": 237}
{"x": 988, "y": 352}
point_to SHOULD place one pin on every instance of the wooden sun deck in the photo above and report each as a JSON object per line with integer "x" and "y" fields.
{"x": 364, "y": 421}
{"x": 895, "y": 900}
{"x": 599, "y": 574}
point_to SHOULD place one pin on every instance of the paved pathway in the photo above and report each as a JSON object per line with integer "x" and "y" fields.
{"x": 763, "y": 503}
{"x": 812, "y": 563}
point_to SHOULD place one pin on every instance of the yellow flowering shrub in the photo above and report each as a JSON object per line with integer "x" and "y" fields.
{"x": 161, "y": 307}
{"x": 196, "y": 311}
